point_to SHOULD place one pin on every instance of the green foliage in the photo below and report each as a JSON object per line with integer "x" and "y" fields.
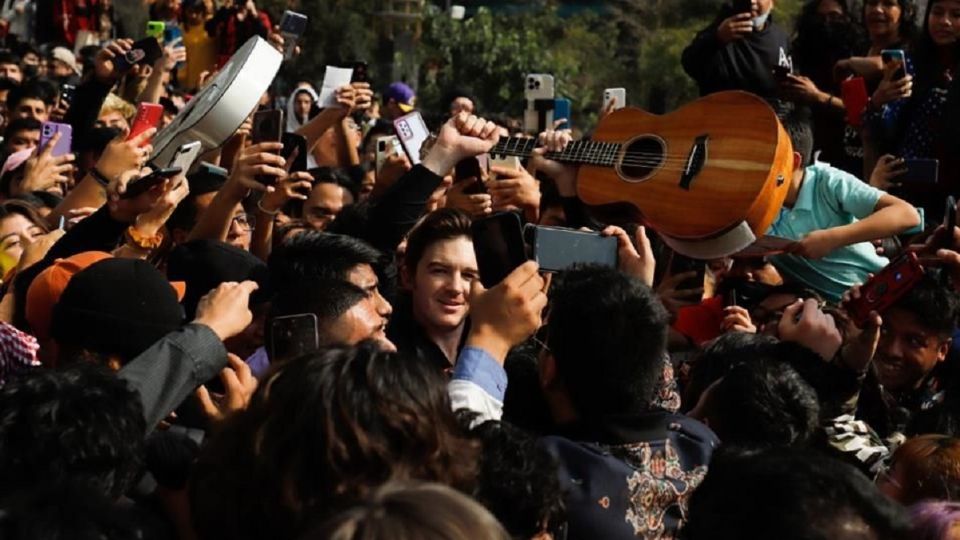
{"x": 635, "y": 44}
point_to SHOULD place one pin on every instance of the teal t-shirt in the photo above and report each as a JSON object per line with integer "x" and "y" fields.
{"x": 828, "y": 198}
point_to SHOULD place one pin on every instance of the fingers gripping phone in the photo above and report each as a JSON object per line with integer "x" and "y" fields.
{"x": 498, "y": 244}
{"x": 48, "y": 130}
{"x": 146, "y": 183}
{"x": 148, "y": 116}
{"x": 292, "y": 27}
{"x": 295, "y": 143}
{"x": 413, "y": 132}
{"x": 895, "y": 55}
{"x": 616, "y": 95}
{"x": 886, "y": 288}
{"x": 386, "y": 146}
{"x": 146, "y": 51}
{"x": 267, "y": 127}
{"x": 469, "y": 169}
{"x": 556, "y": 249}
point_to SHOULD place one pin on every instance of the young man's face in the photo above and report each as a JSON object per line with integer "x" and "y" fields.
{"x": 23, "y": 139}
{"x": 368, "y": 318}
{"x": 325, "y": 202}
{"x": 11, "y": 71}
{"x": 32, "y": 108}
{"x": 441, "y": 284}
{"x": 61, "y": 68}
{"x": 908, "y": 351}
{"x": 241, "y": 229}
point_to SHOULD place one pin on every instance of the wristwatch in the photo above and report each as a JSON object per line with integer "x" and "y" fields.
{"x": 146, "y": 243}
{"x": 99, "y": 177}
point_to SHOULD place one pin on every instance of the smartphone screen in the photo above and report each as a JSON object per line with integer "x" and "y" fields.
{"x": 293, "y": 142}
{"x": 556, "y": 249}
{"x": 498, "y": 244}
{"x": 293, "y": 336}
{"x": 267, "y": 126}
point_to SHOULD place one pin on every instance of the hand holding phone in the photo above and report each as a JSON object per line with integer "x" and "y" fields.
{"x": 146, "y": 51}
{"x": 145, "y": 183}
{"x": 885, "y": 288}
{"x": 148, "y": 116}
{"x": 47, "y": 132}
{"x": 556, "y": 249}
{"x": 614, "y": 99}
{"x": 498, "y": 244}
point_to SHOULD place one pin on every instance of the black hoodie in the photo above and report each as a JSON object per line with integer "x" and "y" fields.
{"x": 744, "y": 64}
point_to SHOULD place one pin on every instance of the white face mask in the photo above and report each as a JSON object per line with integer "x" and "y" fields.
{"x": 761, "y": 20}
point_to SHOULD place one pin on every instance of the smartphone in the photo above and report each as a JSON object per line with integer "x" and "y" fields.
{"x": 618, "y": 94}
{"x": 155, "y": 29}
{"x": 184, "y": 157}
{"x": 556, "y": 249}
{"x": 387, "y": 145}
{"x": 895, "y": 55}
{"x": 950, "y": 214}
{"x": 145, "y": 183}
{"x": 742, "y": 6}
{"x": 267, "y": 126}
{"x": 505, "y": 162}
{"x": 498, "y": 244}
{"x": 67, "y": 91}
{"x": 49, "y": 129}
{"x": 148, "y": 116}
{"x": 921, "y": 171}
{"x": 539, "y": 86}
{"x": 294, "y": 142}
{"x": 781, "y": 72}
{"x": 360, "y": 72}
{"x": 293, "y": 336}
{"x": 853, "y": 91}
{"x": 146, "y": 51}
{"x": 413, "y": 132}
{"x": 561, "y": 111}
{"x": 468, "y": 169}
{"x": 681, "y": 264}
{"x": 292, "y": 27}
{"x": 886, "y": 288}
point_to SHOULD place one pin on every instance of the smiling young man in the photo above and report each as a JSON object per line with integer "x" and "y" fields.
{"x": 438, "y": 267}
{"x": 910, "y": 367}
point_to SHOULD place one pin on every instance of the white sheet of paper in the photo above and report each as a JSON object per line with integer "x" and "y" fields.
{"x": 333, "y": 78}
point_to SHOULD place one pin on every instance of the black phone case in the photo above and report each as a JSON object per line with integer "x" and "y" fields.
{"x": 498, "y": 244}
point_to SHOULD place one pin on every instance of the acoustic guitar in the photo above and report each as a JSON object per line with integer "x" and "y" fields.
{"x": 693, "y": 174}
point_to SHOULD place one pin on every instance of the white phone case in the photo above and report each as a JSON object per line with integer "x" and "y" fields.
{"x": 620, "y": 94}
{"x": 412, "y": 132}
{"x": 538, "y": 86}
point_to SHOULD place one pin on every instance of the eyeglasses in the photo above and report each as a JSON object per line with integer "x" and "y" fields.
{"x": 244, "y": 221}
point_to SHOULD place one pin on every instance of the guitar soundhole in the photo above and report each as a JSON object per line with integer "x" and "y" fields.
{"x": 643, "y": 156}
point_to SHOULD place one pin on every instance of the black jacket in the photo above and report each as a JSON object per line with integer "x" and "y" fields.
{"x": 745, "y": 64}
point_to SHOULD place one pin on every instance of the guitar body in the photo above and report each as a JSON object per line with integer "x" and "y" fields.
{"x": 742, "y": 166}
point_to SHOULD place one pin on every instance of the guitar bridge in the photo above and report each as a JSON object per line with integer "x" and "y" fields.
{"x": 695, "y": 161}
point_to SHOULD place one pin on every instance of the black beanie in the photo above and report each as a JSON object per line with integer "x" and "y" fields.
{"x": 205, "y": 264}
{"x": 116, "y": 306}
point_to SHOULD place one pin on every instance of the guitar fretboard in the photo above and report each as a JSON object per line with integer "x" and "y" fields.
{"x": 601, "y": 154}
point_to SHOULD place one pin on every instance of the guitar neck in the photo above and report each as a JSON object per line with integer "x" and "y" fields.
{"x": 600, "y": 154}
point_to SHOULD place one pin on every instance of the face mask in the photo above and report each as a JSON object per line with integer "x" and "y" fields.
{"x": 30, "y": 71}
{"x": 760, "y": 21}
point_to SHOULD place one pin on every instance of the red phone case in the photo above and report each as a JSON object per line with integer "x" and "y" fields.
{"x": 854, "y": 94}
{"x": 148, "y": 116}
{"x": 886, "y": 288}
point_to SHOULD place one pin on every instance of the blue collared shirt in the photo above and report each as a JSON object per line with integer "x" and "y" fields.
{"x": 828, "y": 198}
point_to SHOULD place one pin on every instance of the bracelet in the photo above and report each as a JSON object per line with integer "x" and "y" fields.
{"x": 145, "y": 243}
{"x": 264, "y": 210}
{"x": 99, "y": 177}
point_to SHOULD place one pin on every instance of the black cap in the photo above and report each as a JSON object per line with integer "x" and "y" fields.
{"x": 205, "y": 264}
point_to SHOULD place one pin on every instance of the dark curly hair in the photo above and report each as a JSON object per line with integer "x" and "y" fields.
{"x": 81, "y": 424}
{"x": 325, "y": 430}
{"x": 518, "y": 481}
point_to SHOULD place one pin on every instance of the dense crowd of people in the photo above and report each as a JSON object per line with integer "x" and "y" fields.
{"x": 245, "y": 350}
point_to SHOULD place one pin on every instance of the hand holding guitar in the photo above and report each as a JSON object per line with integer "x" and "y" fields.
{"x": 564, "y": 175}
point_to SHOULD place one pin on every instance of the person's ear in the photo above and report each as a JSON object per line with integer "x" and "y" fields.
{"x": 943, "y": 349}
{"x": 406, "y": 278}
{"x": 797, "y": 161}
